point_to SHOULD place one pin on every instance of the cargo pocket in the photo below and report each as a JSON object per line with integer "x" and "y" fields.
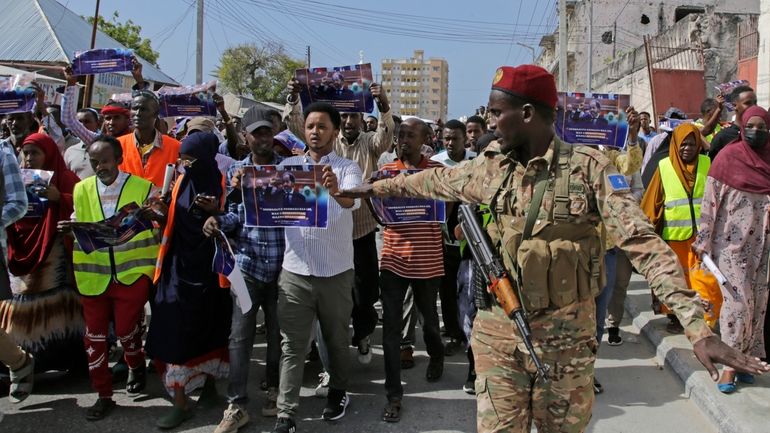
{"x": 590, "y": 278}
{"x": 534, "y": 259}
{"x": 486, "y": 413}
{"x": 562, "y": 273}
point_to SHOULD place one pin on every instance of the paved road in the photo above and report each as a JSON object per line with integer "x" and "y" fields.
{"x": 640, "y": 397}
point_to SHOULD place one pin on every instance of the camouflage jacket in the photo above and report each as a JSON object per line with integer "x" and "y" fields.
{"x": 596, "y": 195}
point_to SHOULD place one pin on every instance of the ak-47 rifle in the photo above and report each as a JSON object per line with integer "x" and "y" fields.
{"x": 499, "y": 282}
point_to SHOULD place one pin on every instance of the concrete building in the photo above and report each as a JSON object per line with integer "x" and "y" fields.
{"x": 417, "y": 86}
{"x": 618, "y": 28}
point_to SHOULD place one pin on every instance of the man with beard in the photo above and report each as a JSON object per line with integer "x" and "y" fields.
{"x": 20, "y": 125}
{"x": 539, "y": 232}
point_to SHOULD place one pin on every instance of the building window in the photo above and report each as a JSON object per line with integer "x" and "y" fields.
{"x": 683, "y": 11}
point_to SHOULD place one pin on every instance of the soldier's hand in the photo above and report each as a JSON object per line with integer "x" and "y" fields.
{"x": 364, "y": 191}
{"x": 711, "y": 350}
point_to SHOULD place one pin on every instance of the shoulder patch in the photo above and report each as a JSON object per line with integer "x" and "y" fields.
{"x": 618, "y": 182}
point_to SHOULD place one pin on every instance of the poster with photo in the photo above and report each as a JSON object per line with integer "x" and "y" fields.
{"x": 35, "y": 182}
{"x": 102, "y": 60}
{"x": 346, "y": 88}
{"x": 402, "y": 210}
{"x": 15, "y": 98}
{"x": 189, "y": 101}
{"x": 115, "y": 230}
{"x": 593, "y": 118}
{"x": 284, "y": 196}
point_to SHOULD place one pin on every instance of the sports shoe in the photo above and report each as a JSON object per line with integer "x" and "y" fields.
{"x": 336, "y": 404}
{"x": 285, "y": 425}
{"x": 364, "y": 351}
{"x": 233, "y": 419}
{"x": 269, "y": 407}
{"x": 613, "y": 337}
{"x": 322, "y": 390}
{"x": 470, "y": 383}
{"x": 453, "y": 346}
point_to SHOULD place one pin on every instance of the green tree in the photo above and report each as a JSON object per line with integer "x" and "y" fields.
{"x": 257, "y": 71}
{"x": 128, "y": 34}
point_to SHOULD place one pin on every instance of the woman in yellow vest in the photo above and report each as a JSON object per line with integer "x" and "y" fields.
{"x": 191, "y": 313}
{"x": 672, "y": 202}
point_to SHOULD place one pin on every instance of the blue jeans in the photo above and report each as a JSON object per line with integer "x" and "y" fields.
{"x": 242, "y": 338}
{"x": 603, "y": 300}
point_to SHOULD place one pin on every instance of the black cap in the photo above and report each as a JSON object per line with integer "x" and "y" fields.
{"x": 255, "y": 118}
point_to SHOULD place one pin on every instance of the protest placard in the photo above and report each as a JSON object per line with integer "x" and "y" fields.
{"x": 289, "y": 140}
{"x": 727, "y": 88}
{"x": 225, "y": 264}
{"x": 14, "y": 98}
{"x": 402, "y": 210}
{"x": 102, "y": 60}
{"x": 346, "y": 88}
{"x": 115, "y": 230}
{"x": 35, "y": 182}
{"x": 284, "y": 196}
{"x": 196, "y": 100}
{"x": 592, "y": 118}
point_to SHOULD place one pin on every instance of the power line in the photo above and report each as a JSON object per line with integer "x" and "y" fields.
{"x": 510, "y": 45}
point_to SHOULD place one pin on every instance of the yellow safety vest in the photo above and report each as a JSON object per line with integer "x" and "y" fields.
{"x": 122, "y": 263}
{"x": 682, "y": 212}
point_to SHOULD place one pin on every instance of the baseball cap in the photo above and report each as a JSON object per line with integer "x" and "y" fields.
{"x": 255, "y": 118}
{"x": 201, "y": 124}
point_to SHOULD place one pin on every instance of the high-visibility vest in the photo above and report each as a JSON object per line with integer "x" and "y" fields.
{"x": 682, "y": 212}
{"x": 122, "y": 263}
{"x": 155, "y": 169}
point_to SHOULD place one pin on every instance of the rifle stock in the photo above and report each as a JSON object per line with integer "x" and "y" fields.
{"x": 498, "y": 279}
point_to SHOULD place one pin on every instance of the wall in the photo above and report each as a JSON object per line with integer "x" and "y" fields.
{"x": 763, "y": 60}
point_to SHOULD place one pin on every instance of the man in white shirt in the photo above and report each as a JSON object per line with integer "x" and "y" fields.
{"x": 317, "y": 275}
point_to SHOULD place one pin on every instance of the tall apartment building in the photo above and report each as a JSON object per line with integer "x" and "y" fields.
{"x": 416, "y": 86}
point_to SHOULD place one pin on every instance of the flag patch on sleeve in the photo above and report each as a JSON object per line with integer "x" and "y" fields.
{"x": 618, "y": 182}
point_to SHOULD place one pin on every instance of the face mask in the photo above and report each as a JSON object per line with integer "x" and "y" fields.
{"x": 756, "y": 137}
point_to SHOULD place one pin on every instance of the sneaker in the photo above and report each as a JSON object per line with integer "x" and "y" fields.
{"x": 454, "y": 346}
{"x": 470, "y": 383}
{"x": 285, "y": 425}
{"x": 270, "y": 408}
{"x": 233, "y": 419}
{"x": 322, "y": 390}
{"x": 598, "y": 388}
{"x": 364, "y": 351}
{"x": 260, "y": 329}
{"x": 336, "y": 404}
{"x": 613, "y": 337}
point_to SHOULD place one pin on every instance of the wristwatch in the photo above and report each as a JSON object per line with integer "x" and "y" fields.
{"x": 290, "y": 100}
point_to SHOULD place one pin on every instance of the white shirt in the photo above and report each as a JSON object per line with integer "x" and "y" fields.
{"x": 444, "y": 158}
{"x": 324, "y": 252}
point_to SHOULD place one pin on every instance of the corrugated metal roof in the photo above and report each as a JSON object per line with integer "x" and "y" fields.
{"x": 45, "y": 32}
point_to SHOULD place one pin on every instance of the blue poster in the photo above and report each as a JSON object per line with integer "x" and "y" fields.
{"x": 401, "y": 210}
{"x": 35, "y": 182}
{"x": 346, "y": 88}
{"x": 289, "y": 140}
{"x": 188, "y": 101}
{"x": 592, "y": 119}
{"x": 284, "y": 196}
{"x": 14, "y": 98}
{"x": 102, "y": 60}
{"x": 115, "y": 230}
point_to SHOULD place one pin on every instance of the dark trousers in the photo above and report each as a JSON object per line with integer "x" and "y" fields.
{"x": 393, "y": 291}
{"x": 242, "y": 332}
{"x": 448, "y": 293}
{"x": 366, "y": 286}
{"x": 125, "y": 305}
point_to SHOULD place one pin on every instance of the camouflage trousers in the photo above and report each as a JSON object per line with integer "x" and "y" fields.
{"x": 509, "y": 398}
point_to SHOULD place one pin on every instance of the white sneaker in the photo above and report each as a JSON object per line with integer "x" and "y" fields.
{"x": 364, "y": 351}
{"x": 234, "y": 418}
{"x": 322, "y": 390}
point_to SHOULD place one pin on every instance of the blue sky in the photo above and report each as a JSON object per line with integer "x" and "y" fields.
{"x": 474, "y": 37}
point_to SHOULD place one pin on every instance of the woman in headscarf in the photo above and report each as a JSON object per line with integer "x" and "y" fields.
{"x": 672, "y": 202}
{"x": 44, "y": 316}
{"x": 190, "y": 326}
{"x": 735, "y": 232}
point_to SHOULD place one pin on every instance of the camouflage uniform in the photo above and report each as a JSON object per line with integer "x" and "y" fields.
{"x": 562, "y": 316}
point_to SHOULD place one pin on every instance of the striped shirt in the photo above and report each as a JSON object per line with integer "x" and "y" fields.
{"x": 413, "y": 250}
{"x": 324, "y": 252}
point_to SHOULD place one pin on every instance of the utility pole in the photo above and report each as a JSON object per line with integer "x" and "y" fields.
{"x": 361, "y": 57}
{"x": 614, "y": 37}
{"x": 590, "y": 44}
{"x": 532, "y": 50}
{"x": 199, "y": 46}
{"x": 308, "y": 56}
{"x": 90, "y": 78}
{"x": 563, "y": 45}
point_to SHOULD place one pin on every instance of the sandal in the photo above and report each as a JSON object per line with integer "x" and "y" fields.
{"x": 22, "y": 380}
{"x": 100, "y": 409}
{"x": 434, "y": 371}
{"x": 137, "y": 380}
{"x": 392, "y": 411}
{"x": 407, "y": 358}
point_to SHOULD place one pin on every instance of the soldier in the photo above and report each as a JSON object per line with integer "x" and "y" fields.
{"x": 566, "y": 191}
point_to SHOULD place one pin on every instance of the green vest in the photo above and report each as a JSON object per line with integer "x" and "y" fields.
{"x": 122, "y": 263}
{"x": 682, "y": 212}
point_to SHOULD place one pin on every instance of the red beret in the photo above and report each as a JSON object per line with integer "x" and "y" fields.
{"x": 527, "y": 81}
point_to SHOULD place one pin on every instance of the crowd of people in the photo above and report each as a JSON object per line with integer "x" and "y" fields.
{"x": 664, "y": 205}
